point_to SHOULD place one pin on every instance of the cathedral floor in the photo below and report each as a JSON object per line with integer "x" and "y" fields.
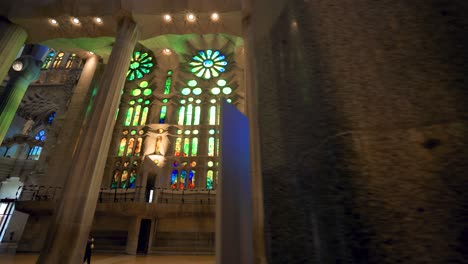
{"x": 116, "y": 259}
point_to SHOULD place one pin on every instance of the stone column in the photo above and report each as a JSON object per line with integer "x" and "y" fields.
{"x": 250, "y": 105}
{"x": 71, "y": 224}
{"x": 70, "y": 130}
{"x": 28, "y": 70}
{"x": 12, "y": 38}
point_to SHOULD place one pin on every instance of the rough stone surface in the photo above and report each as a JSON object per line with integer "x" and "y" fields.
{"x": 362, "y": 116}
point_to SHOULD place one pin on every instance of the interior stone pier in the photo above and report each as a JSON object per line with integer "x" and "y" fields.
{"x": 66, "y": 239}
{"x": 71, "y": 126}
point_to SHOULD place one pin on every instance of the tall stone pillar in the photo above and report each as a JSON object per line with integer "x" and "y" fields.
{"x": 251, "y": 101}
{"x": 71, "y": 224}
{"x": 26, "y": 71}
{"x": 12, "y": 38}
{"x": 71, "y": 127}
{"x": 362, "y": 122}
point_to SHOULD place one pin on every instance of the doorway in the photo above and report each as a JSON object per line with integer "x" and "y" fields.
{"x": 144, "y": 236}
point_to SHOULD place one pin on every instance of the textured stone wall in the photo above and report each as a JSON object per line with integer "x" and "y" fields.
{"x": 363, "y": 130}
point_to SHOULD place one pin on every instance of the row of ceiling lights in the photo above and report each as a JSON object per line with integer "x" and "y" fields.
{"x": 190, "y": 17}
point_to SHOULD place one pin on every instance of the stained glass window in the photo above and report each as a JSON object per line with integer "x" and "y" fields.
{"x": 123, "y": 143}
{"x": 115, "y": 179}
{"x": 41, "y": 136}
{"x": 191, "y": 180}
{"x": 162, "y": 115}
{"x": 211, "y": 146}
{"x": 140, "y": 64}
{"x": 174, "y": 179}
{"x": 128, "y": 118}
{"x": 51, "y": 117}
{"x": 209, "y": 180}
{"x": 196, "y": 120}
{"x": 123, "y": 180}
{"x": 181, "y": 115}
{"x": 188, "y": 120}
{"x": 131, "y": 142}
{"x": 144, "y": 116}
{"x": 208, "y": 63}
{"x": 194, "y": 146}
{"x": 132, "y": 180}
{"x": 137, "y": 115}
{"x": 167, "y": 86}
{"x": 138, "y": 147}
{"x": 70, "y": 60}
{"x": 58, "y": 60}
{"x": 48, "y": 60}
{"x": 183, "y": 178}
{"x": 186, "y": 146}
{"x": 34, "y": 153}
{"x": 212, "y": 115}
{"x": 177, "y": 147}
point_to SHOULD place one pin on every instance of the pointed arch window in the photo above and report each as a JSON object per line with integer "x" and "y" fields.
{"x": 211, "y": 146}
{"x": 123, "y": 143}
{"x": 181, "y": 115}
{"x": 212, "y": 115}
{"x": 167, "y": 86}
{"x": 162, "y": 115}
{"x": 194, "y": 146}
{"x": 177, "y": 148}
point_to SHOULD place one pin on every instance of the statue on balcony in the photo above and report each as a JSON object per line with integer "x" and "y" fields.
{"x": 27, "y": 126}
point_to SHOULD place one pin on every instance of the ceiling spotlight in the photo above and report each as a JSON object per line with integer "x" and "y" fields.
{"x": 215, "y": 16}
{"x": 91, "y": 53}
{"x": 75, "y": 21}
{"x": 191, "y": 17}
{"x": 98, "y": 20}
{"x": 53, "y": 22}
{"x": 167, "y": 51}
{"x": 167, "y": 18}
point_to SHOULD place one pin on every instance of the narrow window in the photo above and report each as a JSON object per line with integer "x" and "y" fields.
{"x": 188, "y": 121}
{"x": 128, "y": 118}
{"x": 191, "y": 180}
{"x": 174, "y": 179}
{"x": 181, "y": 115}
{"x": 123, "y": 143}
{"x": 177, "y": 147}
{"x": 186, "y": 147}
{"x": 144, "y": 116}
{"x": 196, "y": 121}
{"x": 211, "y": 143}
{"x": 58, "y": 60}
{"x": 162, "y": 116}
{"x": 183, "y": 178}
{"x": 70, "y": 61}
{"x": 167, "y": 87}
{"x": 138, "y": 147}
{"x": 213, "y": 115}
{"x": 131, "y": 142}
{"x": 137, "y": 115}
{"x": 194, "y": 146}
{"x": 209, "y": 180}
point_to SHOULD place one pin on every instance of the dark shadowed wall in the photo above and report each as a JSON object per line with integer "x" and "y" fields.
{"x": 363, "y": 123}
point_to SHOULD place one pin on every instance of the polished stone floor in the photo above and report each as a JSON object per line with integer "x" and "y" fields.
{"x": 116, "y": 259}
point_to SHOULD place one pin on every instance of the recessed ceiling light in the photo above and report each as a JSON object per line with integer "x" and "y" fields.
{"x": 191, "y": 17}
{"x": 91, "y": 53}
{"x": 53, "y": 22}
{"x": 167, "y": 18}
{"x": 98, "y": 20}
{"x": 215, "y": 16}
{"x": 167, "y": 51}
{"x": 75, "y": 21}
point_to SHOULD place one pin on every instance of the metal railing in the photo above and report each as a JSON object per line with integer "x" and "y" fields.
{"x": 119, "y": 195}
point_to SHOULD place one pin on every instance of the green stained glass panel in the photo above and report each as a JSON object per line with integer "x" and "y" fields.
{"x": 196, "y": 120}
{"x": 209, "y": 180}
{"x": 181, "y": 115}
{"x": 144, "y": 116}
{"x": 128, "y": 118}
{"x": 194, "y": 146}
{"x": 147, "y": 92}
{"x": 137, "y": 115}
{"x": 186, "y": 146}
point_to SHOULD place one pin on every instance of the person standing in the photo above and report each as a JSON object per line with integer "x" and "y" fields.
{"x": 89, "y": 247}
